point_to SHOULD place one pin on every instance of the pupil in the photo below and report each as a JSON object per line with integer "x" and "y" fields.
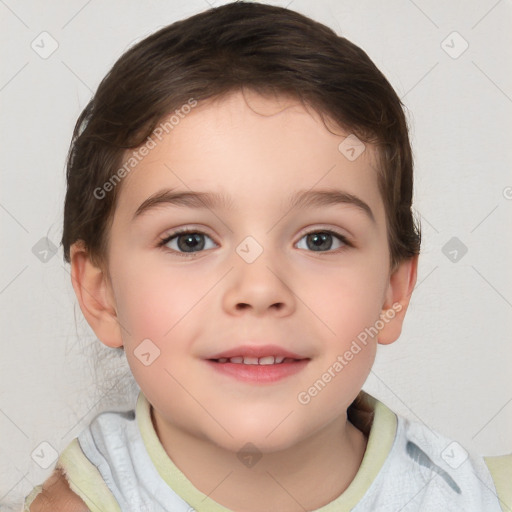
{"x": 191, "y": 241}
{"x": 320, "y": 241}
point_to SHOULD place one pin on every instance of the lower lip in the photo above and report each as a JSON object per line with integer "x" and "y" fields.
{"x": 259, "y": 373}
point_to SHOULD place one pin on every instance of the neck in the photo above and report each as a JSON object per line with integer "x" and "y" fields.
{"x": 306, "y": 476}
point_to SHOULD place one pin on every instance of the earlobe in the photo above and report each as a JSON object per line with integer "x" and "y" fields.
{"x": 94, "y": 293}
{"x": 401, "y": 285}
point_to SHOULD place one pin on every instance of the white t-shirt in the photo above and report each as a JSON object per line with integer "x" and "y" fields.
{"x": 118, "y": 464}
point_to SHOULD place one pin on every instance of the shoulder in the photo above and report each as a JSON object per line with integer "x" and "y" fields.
{"x": 56, "y": 495}
{"x": 500, "y": 467}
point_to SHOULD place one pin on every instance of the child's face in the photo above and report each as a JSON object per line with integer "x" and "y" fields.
{"x": 196, "y": 305}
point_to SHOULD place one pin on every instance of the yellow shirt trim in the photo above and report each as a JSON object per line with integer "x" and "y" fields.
{"x": 501, "y": 470}
{"x": 84, "y": 480}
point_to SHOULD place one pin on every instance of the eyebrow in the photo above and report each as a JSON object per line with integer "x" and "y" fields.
{"x": 213, "y": 200}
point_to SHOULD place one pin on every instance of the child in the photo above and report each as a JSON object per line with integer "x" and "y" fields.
{"x": 238, "y": 221}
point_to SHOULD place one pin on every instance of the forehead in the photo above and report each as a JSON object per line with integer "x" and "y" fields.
{"x": 254, "y": 150}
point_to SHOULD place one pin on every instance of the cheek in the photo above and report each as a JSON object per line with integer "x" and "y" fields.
{"x": 152, "y": 300}
{"x": 155, "y": 305}
{"x": 346, "y": 304}
{"x": 345, "y": 299}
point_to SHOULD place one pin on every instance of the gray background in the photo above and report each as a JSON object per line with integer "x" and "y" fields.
{"x": 451, "y": 367}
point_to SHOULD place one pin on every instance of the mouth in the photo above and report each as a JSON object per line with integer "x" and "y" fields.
{"x": 256, "y": 354}
{"x": 258, "y": 364}
{"x": 262, "y": 361}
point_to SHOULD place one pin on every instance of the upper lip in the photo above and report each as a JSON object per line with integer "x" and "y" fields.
{"x": 257, "y": 351}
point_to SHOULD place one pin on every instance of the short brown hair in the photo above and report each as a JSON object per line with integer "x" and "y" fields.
{"x": 268, "y": 49}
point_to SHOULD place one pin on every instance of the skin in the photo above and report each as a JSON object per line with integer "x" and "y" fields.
{"x": 257, "y": 150}
{"x": 57, "y": 495}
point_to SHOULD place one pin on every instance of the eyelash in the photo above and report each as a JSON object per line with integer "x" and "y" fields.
{"x": 161, "y": 244}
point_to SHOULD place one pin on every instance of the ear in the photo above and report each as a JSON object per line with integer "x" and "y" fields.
{"x": 95, "y": 295}
{"x": 401, "y": 285}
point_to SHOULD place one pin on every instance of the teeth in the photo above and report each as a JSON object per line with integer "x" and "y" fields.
{"x": 267, "y": 360}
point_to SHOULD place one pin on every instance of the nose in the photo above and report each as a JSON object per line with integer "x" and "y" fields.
{"x": 259, "y": 288}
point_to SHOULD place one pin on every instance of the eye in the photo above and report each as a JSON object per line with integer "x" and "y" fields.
{"x": 186, "y": 241}
{"x": 322, "y": 241}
